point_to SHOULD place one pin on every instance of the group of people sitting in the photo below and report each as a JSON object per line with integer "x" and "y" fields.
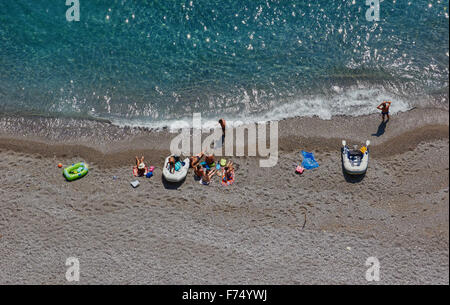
{"x": 204, "y": 170}
{"x": 207, "y": 169}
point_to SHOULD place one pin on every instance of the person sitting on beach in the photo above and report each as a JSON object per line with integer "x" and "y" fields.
{"x": 229, "y": 170}
{"x": 206, "y": 178}
{"x": 198, "y": 171}
{"x": 210, "y": 160}
{"x": 384, "y": 107}
{"x": 171, "y": 164}
{"x": 228, "y": 174}
{"x": 230, "y": 165}
{"x": 140, "y": 166}
{"x": 195, "y": 160}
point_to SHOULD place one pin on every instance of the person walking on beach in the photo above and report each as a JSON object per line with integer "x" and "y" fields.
{"x": 384, "y": 107}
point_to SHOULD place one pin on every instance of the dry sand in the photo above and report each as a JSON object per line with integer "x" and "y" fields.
{"x": 253, "y": 232}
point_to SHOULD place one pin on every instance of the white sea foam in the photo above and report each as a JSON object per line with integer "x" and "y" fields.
{"x": 351, "y": 102}
{"x": 354, "y": 102}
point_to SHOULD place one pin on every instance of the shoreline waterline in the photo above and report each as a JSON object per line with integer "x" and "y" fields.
{"x": 111, "y": 145}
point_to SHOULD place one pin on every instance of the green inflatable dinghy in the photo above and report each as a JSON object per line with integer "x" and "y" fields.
{"x": 76, "y": 171}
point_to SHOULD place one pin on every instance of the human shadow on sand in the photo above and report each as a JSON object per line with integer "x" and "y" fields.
{"x": 381, "y": 129}
{"x": 171, "y": 185}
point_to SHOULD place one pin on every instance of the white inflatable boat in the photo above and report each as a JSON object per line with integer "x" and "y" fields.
{"x": 355, "y": 161}
{"x": 178, "y": 175}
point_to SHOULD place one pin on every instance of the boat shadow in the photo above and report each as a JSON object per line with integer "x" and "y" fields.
{"x": 171, "y": 185}
{"x": 352, "y": 178}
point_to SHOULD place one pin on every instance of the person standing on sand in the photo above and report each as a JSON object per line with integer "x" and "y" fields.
{"x": 222, "y": 124}
{"x": 384, "y": 107}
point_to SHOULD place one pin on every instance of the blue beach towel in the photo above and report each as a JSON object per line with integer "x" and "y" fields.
{"x": 179, "y": 165}
{"x": 205, "y": 165}
{"x": 308, "y": 160}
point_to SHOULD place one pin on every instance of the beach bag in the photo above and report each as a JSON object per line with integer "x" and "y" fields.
{"x": 299, "y": 169}
{"x": 308, "y": 160}
{"x": 178, "y": 165}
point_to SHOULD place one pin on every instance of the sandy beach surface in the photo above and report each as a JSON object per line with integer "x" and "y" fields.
{"x": 271, "y": 227}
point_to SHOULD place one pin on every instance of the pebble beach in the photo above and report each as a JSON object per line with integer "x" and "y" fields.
{"x": 271, "y": 226}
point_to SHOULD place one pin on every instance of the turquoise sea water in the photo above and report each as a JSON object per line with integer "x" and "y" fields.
{"x": 147, "y": 62}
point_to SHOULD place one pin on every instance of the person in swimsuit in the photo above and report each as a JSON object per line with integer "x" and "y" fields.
{"x": 384, "y": 107}
{"x": 198, "y": 171}
{"x": 171, "y": 164}
{"x": 195, "y": 160}
{"x": 206, "y": 179}
{"x": 228, "y": 174}
{"x": 140, "y": 166}
{"x": 222, "y": 124}
{"x": 229, "y": 170}
{"x": 210, "y": 160}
